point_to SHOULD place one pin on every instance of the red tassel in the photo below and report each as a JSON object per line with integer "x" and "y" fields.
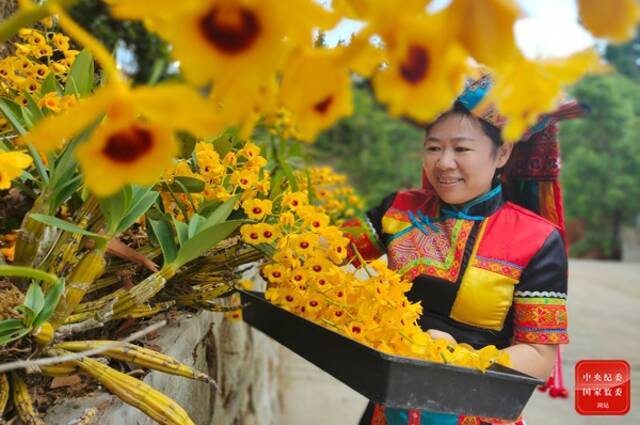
{"x": 378, "y": 415}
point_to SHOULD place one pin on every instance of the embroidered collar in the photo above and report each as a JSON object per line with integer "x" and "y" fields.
{"x": 476, "y": 209}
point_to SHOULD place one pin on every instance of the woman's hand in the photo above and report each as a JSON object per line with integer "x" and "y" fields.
{"x": 436, "y": 334}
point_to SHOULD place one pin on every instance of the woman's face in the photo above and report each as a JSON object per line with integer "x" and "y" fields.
{"x": 460, "y": 159}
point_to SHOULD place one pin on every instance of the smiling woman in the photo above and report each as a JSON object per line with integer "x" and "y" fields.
{"x": 486, "y": 266}
{"x": 462, "y": 154}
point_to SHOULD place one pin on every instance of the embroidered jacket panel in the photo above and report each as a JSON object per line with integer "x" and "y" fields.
{"x": 497, "y": 278}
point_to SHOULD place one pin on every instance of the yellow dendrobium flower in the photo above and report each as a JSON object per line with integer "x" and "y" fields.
{"x": 135, "y": 140}
{"x": 173, "y": 105}
{"x": 229, "y": 37}
{"x": 531, "y": 88}
{"x": 287, "y": 218}
{"x": 256, "y": 209}
{"x": 426, "y": 71}
{"x": 295, "y": 200}
{"x": 275, "y": 273}
{"x": 317, "y": 221}
{"x": 50, "y": 101}
{"x": 318, "y": 105}
{"x": 244, "y": 178}
{"x": 11, "y": 166}
{"x": 485, "y": 29}
{"x": 615, "y": 20}
{"x": 382, "y": 15}
{"x": 125, "y": 151}
{"x": 61, "y": 41}
{"x": 304, "y": 243}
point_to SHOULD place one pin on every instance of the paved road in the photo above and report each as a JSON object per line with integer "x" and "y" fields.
{"x": 604, "y": 321}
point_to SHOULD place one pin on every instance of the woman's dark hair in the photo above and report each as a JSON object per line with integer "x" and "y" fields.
{"x": 490, "y": 130}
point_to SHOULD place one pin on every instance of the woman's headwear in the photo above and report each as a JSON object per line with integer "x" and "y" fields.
{"x": 531, "y": 177}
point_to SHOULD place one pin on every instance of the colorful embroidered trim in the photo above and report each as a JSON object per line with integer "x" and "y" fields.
{"x": 438, "y": 254}
{"x": 498, "y": 266}
{"x": 540, "y": 320}
{"x": 363, "y": 235}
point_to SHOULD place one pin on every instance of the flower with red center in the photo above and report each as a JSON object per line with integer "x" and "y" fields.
{"x": 355, "y": 330}
{"x": 275, "y": 273}
{"x": 298, "y": 276}
{"x": 256, "y": 209}
{"x": 135, "y": 140}
{"x": 426, "y": 71}
{"x": 127, "y": 151}
{"x": 319, "y": 266}
{"x": 315, "y": 107}
{"x": 244, "y": 179}
{"x": 290, "y": 299}
{"x": 223, "y": 39}
{"x": 303, "y": 243}
{"x": 314, "y": 304}
{"x": 269, "y": 232}
{"x": 251, "y": 234}
{"x": 295, "y": 200}
{"x": 316, "y": 221}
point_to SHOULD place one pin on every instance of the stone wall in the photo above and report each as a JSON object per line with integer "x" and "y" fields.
{"x": 243, "y": 362}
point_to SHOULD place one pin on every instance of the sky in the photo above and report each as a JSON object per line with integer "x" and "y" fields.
{"x": 548, "y": 28}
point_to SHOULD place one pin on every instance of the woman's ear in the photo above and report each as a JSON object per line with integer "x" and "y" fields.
{"x": 504, "y": 152}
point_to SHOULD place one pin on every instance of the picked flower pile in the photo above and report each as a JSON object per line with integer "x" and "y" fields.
{"x": 305, "y": 278}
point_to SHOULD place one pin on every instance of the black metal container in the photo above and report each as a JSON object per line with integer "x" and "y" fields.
{"x": 394, "y": 381}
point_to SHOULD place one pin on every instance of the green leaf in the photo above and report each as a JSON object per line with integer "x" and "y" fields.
{"x": 205, "y": 240}
{"x": 289, "y": 173}
{"x": 50, "y": 84}
{"x": 159, "y": 65}
{"x": 195, "y": 223}
{"x": 51, "y": 299}
{"x": 163, "y": 233}
{"x": 10, "y": 325}
{"x": 221, "y": 213}
{"x": 5, "y": 339}
{"x": 207, "y": 207}
{"x": 27, "y": 314}
{"x": 34, "y": 299}
{"x": 64, "y": 225}
{"x": 223, "y": 144}
{"x": 12, "y": 113}
{"x": 62, "y": 192}
{"x": 138, "y": 209}
{"x": 66, "y": 163}
{"x": 192, "y": 184}
{"x": 187, "y": 144}
{"x": 115, "y": 207}
{"x": 182, "y": 230}
{"x": 34, "y": 109}
{"x": 27, "y": 117}
{"x": 81, "y": 75}
{"x": 276, "y": 184}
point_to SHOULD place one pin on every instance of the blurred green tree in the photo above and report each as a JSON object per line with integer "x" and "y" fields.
{"x": 626, "y": 57}
{"x": 380, "y": 154}
{"x": 601, "y": 169}
{"x": 149, "y": 54}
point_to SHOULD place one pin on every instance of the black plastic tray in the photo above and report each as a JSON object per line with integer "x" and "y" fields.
{"x": 394, "y": 381}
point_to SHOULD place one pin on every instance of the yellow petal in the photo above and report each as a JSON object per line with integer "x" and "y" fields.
{"x": 485, "y": 29}
{"x": 179, "y": 107}
{"x": 615, "y": 20}
{"x": 52, "y": 130}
